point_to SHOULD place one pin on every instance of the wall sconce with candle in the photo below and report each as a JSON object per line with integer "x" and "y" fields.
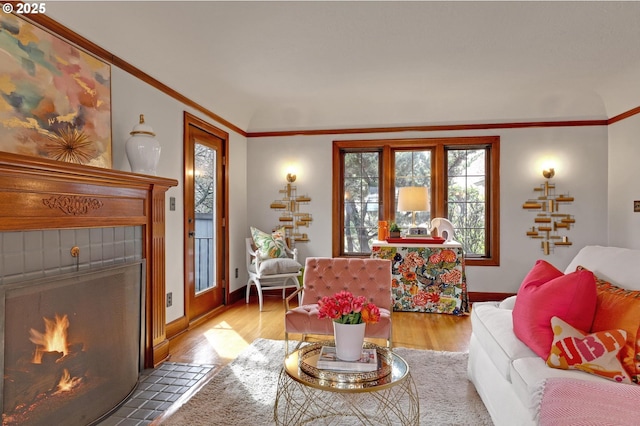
{"x": 549, "y": 221}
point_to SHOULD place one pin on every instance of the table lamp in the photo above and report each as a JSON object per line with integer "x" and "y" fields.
{"x": 414, "y": 199}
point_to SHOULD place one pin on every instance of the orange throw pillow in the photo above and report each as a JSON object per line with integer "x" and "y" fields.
{"x": 595, "y": 353}
{"x": 620, "y": 308}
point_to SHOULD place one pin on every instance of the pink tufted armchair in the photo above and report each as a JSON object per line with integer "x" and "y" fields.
{"x": 324, "y": 277}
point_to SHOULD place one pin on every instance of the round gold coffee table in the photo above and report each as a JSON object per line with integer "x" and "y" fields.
{"x": 307, "y": 395}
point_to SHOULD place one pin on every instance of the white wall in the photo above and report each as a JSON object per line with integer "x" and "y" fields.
{"x": 132, "y": 97}
{"x": 257, "y": 168}
{"x": 581, "y": 154}
{"x": 267, "y": 161}
{"x": 624, "y": 179}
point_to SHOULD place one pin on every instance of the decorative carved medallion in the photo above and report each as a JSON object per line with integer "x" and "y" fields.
{"x": 73, "y": 205}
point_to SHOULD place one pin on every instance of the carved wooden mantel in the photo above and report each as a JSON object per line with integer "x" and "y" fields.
{"x": 37, "y": 193}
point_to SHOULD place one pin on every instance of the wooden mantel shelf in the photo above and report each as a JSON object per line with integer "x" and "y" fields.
{"x": 37, "y": 193}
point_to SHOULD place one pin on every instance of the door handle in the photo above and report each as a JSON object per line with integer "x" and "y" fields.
{"x": 191, "y": 234}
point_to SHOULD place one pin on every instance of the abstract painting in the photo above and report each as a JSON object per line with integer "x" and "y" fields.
{"x": 55, "y": 99}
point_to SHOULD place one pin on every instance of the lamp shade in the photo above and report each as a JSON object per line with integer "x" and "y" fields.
{"x": 413, "y": 199}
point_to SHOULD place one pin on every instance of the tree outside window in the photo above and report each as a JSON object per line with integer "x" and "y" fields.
{"x": 461, "y": 175}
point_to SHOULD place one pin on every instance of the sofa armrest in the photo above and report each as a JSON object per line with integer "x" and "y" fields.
{"x": 508, "y": 303}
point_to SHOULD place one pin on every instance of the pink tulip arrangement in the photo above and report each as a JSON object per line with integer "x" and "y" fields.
{"x": 344, "y": 308}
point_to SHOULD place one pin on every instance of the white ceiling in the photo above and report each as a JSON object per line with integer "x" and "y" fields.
{"x": 327, "y": 65}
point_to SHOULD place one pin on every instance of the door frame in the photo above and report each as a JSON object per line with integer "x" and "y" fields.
{"x": 191, "y": 120}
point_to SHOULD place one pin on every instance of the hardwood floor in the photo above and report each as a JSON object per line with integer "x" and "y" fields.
{"x": 219, "y": 340}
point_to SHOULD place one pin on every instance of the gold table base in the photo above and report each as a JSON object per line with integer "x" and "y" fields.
{"x": 302, "y": 399}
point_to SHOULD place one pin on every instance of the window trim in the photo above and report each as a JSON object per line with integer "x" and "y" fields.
{"x": 385, "y": 146}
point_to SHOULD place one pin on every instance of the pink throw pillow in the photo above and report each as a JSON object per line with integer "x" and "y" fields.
{"x": 541, "y": 272}
{"x": 545, "y": 294}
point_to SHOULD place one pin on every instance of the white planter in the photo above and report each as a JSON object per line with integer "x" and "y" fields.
{"x": 349, "y": 340}
{"x": 143, "y": 150}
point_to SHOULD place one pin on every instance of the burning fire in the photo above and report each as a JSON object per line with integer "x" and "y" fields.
{"x": 67, "y": 382}
{"x": 54, "y": 339}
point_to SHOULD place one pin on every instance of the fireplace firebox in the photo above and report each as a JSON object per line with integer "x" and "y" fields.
{"x": 73, "y": 345}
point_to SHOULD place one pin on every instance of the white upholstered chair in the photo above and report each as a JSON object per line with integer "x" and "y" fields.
{"x": 272, "y": 274}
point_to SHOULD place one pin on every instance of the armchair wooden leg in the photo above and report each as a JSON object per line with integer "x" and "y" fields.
{"x": 286, "y": 343}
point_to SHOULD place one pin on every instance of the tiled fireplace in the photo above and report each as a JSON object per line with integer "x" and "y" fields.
{"x": 81, "y": 288}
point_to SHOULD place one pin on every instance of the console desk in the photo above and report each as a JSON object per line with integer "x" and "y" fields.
{"x": 426, "y": 277}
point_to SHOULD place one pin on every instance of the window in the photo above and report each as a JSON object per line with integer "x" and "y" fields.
{"x": 462, "y": 181}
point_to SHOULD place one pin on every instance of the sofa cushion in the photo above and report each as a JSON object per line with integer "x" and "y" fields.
{"x": 493, "y": 328}
{"x": 620, "y": 308}
{"x": 508, "y": 303}
{"x": 529, "y": 374}
{"x": 282, "y": 265}
{"x": 571, "y": 297}
{"x": 595, "y": 353}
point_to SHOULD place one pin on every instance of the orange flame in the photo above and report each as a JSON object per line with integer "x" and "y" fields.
{"x": 66, "y": 382}
{"x": 54, "y": 339}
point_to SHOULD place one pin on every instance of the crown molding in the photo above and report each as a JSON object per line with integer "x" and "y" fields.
{"x": 73, "y": 37}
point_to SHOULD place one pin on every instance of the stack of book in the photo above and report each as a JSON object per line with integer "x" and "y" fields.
{"x": 328, "y": 360}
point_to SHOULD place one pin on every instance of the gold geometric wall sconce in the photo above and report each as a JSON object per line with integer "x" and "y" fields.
{"x": 550, "y": 224}
{"x": 291, "y": 218}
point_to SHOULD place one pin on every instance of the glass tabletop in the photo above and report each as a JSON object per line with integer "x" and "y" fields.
{"x": 300, "y": 365}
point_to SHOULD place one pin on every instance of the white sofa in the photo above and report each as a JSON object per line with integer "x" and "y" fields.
{"x": 510, "y": 377}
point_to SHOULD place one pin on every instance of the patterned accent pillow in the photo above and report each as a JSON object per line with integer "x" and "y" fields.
{"x": 595, "y": 353}
{"x": 270, "y": 246}
{"x": 620, "y": 308}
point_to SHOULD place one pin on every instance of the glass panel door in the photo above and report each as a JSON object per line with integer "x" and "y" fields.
{"x": 204, "y": 195}
{"x": 204, "y": 223}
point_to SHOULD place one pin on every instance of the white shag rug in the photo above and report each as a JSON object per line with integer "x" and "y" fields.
{"x": 244, "y": 392}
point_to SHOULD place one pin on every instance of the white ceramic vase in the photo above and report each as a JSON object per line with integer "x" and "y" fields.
{"x": 349, "y": 340}
{"x": 143, "y": 150}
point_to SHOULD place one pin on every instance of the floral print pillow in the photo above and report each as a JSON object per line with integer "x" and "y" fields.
{"x": 270, "y": 246}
